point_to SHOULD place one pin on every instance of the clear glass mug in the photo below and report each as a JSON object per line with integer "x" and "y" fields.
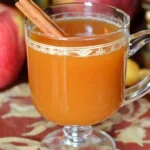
{"x": 78, "y": 82}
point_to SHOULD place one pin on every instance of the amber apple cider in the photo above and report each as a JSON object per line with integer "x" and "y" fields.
{"x": 72, "y": 89}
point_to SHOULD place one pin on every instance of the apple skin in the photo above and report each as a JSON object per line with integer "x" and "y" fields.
{"x": 12, "y": 45}
{"x": 133, "y": 73}
{"x": 42, "y": 3}
{"x": 125, "y": 5}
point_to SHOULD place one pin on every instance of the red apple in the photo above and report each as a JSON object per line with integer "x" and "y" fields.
{"x": 128, "y": 6}
{"x": 12, "y": 45}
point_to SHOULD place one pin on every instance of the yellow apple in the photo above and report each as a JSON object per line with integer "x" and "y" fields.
{"x": 133, "y": 72}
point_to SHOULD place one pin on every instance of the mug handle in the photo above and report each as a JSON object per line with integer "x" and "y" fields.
{"x": 137, "y": 41}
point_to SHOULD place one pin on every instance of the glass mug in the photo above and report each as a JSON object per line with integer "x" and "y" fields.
{"x": 78, "y": 82}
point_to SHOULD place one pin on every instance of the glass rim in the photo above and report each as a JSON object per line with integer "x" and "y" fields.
{"x": 124, "y": 26}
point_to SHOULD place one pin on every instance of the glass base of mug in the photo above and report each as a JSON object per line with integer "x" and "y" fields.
{"x": 78, "y": 138}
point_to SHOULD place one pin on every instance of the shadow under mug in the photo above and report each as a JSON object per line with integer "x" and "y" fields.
{"x": 78, "y": 82}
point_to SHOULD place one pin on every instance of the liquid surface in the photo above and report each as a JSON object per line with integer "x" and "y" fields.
{"x": 84, "y": 27}
{"x": 71, "y": 90}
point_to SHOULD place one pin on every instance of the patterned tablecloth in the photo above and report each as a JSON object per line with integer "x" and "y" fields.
{"x": 22, "y": 127}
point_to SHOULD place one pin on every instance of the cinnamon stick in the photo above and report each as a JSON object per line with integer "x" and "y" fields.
{"x": 34, "y": 21}
{"x": 48, "y": 18}
{"x": 39, "y": 18}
